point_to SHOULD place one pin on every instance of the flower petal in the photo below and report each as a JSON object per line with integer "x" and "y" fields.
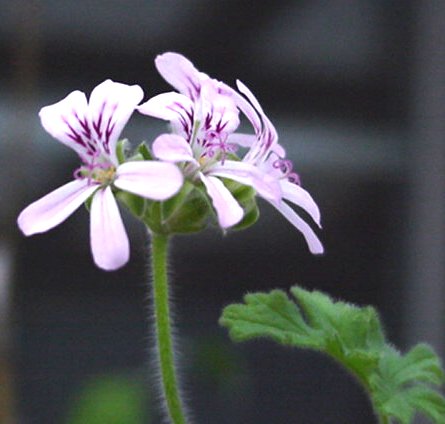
{"x": 267, "y": 137}
{"x": 311, "y": 238}
{"x": 248, "y": 174}
{"x": 151, "y": 179}
{"x": 180, "y": 73}
{"x": 168, "y": 106}
{"x": 172, "y": 148}
{"x": 228, "y": 210}
{"x": 55, "y": 207}
{"x": 243, "y": 140}
{"x": 297, "y": 195}
{"x": 246, "y": 108}
{"x": 252, "y": 99}
{"x": 68, "y": 122}
{"x": 216, "y": 107}
{"x": 111, "y": 105}
{"x": 109, "y": 241}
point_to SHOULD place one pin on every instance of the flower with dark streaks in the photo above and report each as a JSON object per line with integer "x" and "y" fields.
{"x": 204, "y": 116}
{"x": 92, "y": 129}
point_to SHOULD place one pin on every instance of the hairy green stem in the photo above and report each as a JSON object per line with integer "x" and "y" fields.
{"x": 163, "y": 324}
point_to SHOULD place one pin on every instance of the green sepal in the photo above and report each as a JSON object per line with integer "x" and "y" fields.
{"x": 122, "y": 147}
{"x": 136, "y": 205}
{"x": 245, "y": 196}
{"x": 398, "y": 385}
{"x": 87, "y": 203}
{"x": 184, "y": 213}
{"x": 144, "y": 151}
{"x": 187, "y": 212}
{"x": 251, "y": 215}
{"x": 152, "y": 218}
{"x": 141, "y": 152}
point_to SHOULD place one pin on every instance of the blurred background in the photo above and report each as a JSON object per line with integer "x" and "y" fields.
{"x": 356, "y": 91}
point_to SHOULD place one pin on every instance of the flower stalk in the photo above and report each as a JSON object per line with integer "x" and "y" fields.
{"x": 163, "y": 325}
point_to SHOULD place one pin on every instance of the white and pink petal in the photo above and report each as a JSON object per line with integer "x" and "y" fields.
{"x": 169, "y": 106}
{"x": 150, "y": 179}
{"x": 300, "y": 197}
{"x": 68, "y": 121}
{"x": 172, "y": 148}
{"x": 248, "y": 174}
{"x": 313, "y": 242}
{"x": 228, "y": 210}
{"x": 111, "y": 104}
{"x": 180, "y": 73}
{"x": 109, "y": 240}
{"x": 55, "y": 207}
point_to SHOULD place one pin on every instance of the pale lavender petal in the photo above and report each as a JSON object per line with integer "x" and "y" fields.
{"x": 169, "y": 106}
{"x": 172, "y": 148}
{"x": 252, "y": 99}
{"x": 55, "y": 207}
{"x": 151, "y": 179}
{"x": 268, "y": 136}
{"x": 109, "y": 241}
{"x": 68, "y": 122}
{"x": 180, "y": 73}
{"x": 297, "y": 195}
{"x": 311, "y": 238}
{"x": 111, "y": 105}
{"x": 228, "y": 210}
{"x": 243, "y": 140}
{"x": 246, "y": 108}
{"x": 279, "y": 150}
{"x": 248, "y": 174}
{"x": 218, "y": 105}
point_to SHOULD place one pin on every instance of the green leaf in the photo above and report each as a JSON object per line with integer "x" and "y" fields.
{"x": 398, "y": 385}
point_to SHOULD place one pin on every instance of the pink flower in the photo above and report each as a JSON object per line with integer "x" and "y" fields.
{"x": 269, "y": 156}
{"x": 204, "y": 116}
{"x": 92, "y": 128}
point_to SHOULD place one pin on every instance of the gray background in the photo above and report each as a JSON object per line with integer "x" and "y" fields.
{"x": 356, "y": 91}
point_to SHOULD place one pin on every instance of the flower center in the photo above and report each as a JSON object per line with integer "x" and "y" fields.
{"x": 98, "y": 172}
{"x": 104, "y": 175}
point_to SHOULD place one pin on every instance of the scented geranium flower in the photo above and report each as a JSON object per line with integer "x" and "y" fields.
{"x": 203, "y": 122}
{"x": 204, "y": 116}
{"x": 92, "y": 128}
{"x": 269, "y": 156}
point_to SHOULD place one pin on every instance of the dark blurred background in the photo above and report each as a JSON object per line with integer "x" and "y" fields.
{"x": 356, "y": 91}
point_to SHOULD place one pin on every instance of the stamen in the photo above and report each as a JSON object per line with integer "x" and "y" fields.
{"x": 95, "y": 170}
{"x": 294, "y": 178}
{"x": 285, "y": 166}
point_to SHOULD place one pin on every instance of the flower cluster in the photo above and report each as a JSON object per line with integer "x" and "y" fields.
{"x": 203, "y": 148}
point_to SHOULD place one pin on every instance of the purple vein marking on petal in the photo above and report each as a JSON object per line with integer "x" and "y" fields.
{"x": 208, "y": 121}
{"x": 87, "y": 141}
{"x": 97, "y": 125}
{"x": 195, "y": 86}
{"x": 91, "y": 149}
{"x": 109, "y": 130}
{"x": 181, "y": 110}
{"x": 220, "y": 125}
{"x": 83, "y": 123}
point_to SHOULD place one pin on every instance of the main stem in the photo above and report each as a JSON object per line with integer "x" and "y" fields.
{"x": 164, "y": 337}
